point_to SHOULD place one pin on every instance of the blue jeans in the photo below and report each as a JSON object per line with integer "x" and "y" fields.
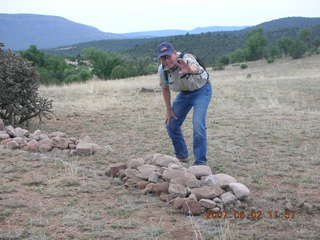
{"x": 198, "y": 100}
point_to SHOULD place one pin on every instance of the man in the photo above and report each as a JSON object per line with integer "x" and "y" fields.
{"x": 182, "y": 73}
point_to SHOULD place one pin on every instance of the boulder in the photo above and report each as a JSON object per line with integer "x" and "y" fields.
{"x": 177, "y": 190}
{"x": 240, "y": 190}
{"x": 207, "y": 192}
{"x": 164, "y": 160}
{"x": 4, "y": 135}
{"x": 146, "y": 170}
{"x": 115, "y": 168}
{"x": 31, "y": 146}
{"x": 45, "y": 145}
{"x": 219, "y": 179}
{"x": 135, "y": 163}
{"x": 20, "y": 132}
{"x": 191, "y": 207}
{"x": 10, "y": 130}
{"x": 173, "y": 173}
{"x": 228, "y": 198}
{"x": 60, "y": 142}
{"x": 207, "y": 203}
{"x": 187, "y": 179}
{"x": 12, "y": 145}
{"x": 200, "y": 170}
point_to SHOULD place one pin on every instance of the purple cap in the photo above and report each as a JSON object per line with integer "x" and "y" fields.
{"x": 165, "y": 48}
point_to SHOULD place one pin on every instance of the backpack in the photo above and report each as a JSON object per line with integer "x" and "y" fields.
{"x": 181, "y": 56}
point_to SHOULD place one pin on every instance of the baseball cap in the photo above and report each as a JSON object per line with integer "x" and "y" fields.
{"x": 165, "y": 48}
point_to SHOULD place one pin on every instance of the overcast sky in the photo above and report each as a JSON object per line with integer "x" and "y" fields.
{"x": 120, "y": 16}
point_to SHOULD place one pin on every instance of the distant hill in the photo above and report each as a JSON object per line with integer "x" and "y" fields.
{"x": 19, "y": 31}
{"x": 206, "y": 45}
{"x": 175, "y": 32}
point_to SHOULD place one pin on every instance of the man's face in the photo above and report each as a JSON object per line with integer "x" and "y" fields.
{"x": 169, "y": 61}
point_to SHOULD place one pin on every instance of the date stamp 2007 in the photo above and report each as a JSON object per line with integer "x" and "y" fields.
{"x": 252, "y": 214}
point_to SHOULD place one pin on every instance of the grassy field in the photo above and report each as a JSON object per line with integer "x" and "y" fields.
{"x": 264, "y": 130}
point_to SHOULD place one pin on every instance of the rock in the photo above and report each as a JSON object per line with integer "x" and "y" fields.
{"x": 12, "y": 145}
{"x": 240, "y": 190}
{"x": 224, "y": 179}
{"x": 164, "y": 160}
{"x": 45, "y": 145}
{"x": 10, "y": 130}
{"x": 72, "y": 146}
{"x": 228, "y": 198}
{"x": 59, "y": 142}
{"x": 135, "y": 163}
{"x": 164, "y": 197}
{"x": 115, "y": 168}
{"x": 142, "y": 184}
{"x": 85, "y": 149}
{"x": 132, "y": 173}
{"x": 175, "y": 166}
{"x": 148, "y": 188}
{"x": 217, "y": 200}
{"x": 177, "y": 190}
{"x": 1, "y": 125}
{"x": 200, "y": 170}
{"x": 147, "y": 170}
{"x": 31, "y": 146}
{"x": 178, "y": 202}
{"x": 57, "y": 134}
{"x": 21, "y": 141}
{"x": 207, "y": 192}
{"x": 173, "y": 173}
{"x": 207, "y": 203}
{"x": 192, "y": 196}
{"x": 154, "y": 177}
{"x": 159, "y": 188}
{"x": 4, "y": 136}
{"x": 131, "y": 182}
{"x": 20, "y": 132}
{"x": 216, "y": 209}
{"x": 192, "y": 207}
{"x": 86, "y": 139}
{"x": 187, "y": 179}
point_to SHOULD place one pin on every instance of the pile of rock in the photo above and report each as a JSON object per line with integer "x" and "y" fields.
{"x": 193, "y": 190}
{"x": 19, "y": 138}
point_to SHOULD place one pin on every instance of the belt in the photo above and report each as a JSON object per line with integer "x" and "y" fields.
{"x": 188, "y": 92}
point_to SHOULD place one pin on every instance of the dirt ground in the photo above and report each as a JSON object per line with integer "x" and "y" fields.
{"x": 263, "y": 129}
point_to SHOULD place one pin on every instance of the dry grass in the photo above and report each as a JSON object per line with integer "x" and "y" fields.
{"x": 263, "y": 130}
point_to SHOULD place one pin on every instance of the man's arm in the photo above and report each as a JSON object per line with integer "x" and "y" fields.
{"x": 167, "y": 100}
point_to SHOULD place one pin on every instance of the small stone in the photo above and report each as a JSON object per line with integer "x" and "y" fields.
{"x": 178, "y": 202}
{"x": 164, "y": 197}
{"x": 207, "y": 192}
{"x": 10, "y": 130}
{"x": 192, "y": 207}
{"x": 177, "y": 190}
{"x": 217, "y": 200}
{"x": 224, "y": 179}
{"x": 240, "y": 190}
{"x": 142, "y": 184}
{"x": 228, "y": 198}
{"x": 12, "y": 145}
{"x": 146, "y": 170}
{"x": 200, "y": 170}
{"x": 20, "y": 132}
{"x": 207, "y": 203}
{"x": 45, "y": 145}
{"x": 135, "y": 163}
{"x": 193, "y": 196}
{"x": 159, "y": 188}
{"x": 164, "y": 160}
{"x": 4, "y": 136}
{"x": 31, "y": 146}
{"x": 115, "y": 168}
{"x": 154, "y": 177}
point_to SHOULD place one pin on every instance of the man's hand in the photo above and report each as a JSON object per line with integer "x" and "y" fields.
{"x": 186, "y": 68}
{"x": 170, "y": 114}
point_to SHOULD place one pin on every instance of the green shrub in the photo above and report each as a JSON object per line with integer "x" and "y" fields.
{"x": 19, "y": 98}
{"x": 243, "y": 66}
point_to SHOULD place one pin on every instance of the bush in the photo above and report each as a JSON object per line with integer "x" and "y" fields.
{"x": 19, "y": 98}
{"x": 243, "y": 66}
{"x": 218, "y": 66}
